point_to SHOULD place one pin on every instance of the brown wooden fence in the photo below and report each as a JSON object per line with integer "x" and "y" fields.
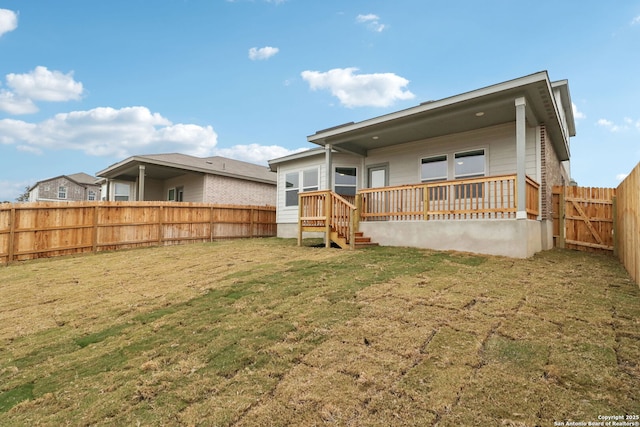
{"x": 583, "y": 218}
{"x": 40, "y": 230}
{"x": 627, "y": 214}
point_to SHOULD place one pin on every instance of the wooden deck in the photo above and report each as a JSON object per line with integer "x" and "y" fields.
{"x": 478, "y": 198}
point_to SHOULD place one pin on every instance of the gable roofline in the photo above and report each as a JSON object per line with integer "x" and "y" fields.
{"x": 76, "y": 178}
{"x": 536, "y": 88}
{"x": 273, "y": 164}
{"x": 215, "y": 165}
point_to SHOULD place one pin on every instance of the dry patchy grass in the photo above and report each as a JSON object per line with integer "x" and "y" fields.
{"x": 260, "y": 332}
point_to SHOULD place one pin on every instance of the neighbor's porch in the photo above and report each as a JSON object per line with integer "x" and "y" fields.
{"x": 486, "y": 198}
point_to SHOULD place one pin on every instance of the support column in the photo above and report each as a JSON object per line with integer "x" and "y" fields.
{"x": 521, "y": 153}
{"x": 141, "y": 169}
{"x": 328, "y": 166}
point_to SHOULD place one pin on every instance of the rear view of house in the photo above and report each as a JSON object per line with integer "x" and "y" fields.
{"x": 472, "y": 172}
{"x": 66, "y": 188}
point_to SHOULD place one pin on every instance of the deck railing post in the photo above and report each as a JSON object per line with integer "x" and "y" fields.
{"x": 300, "y": 210}
{"x": 328, "y": 202}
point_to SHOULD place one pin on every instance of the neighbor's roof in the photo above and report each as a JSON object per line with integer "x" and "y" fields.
{"x": 79, "y": 178}
{"x": 167, "y": 165}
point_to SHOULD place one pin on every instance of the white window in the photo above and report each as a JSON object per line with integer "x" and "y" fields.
{"x": 469, "y": 164}
{"x": 345, "y": 181}
{"x": 62, "y": 192}
{"x": 434, "y": 169}
{"x": 171, "y": 195}
{"x": 306, "y": 180}
{"x": 92, "y": 195}
{"x": 121, "y": 192}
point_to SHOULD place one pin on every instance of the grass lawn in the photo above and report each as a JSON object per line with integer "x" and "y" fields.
{"x": 261, "y": 332}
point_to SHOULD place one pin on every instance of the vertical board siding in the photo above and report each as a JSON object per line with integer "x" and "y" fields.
{"x": 628, "y": 223}
{"x": 42, "y": 230}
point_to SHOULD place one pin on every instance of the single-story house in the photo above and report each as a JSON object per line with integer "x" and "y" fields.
{"x": 472, "y": 172}
{"x": 76, "y": 187}
{"x": 184, "y": 178}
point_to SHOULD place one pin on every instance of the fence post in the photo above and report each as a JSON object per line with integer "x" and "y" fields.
{"x": 615, "y": 226}
{"x": 160, "y": 225}
{"x": 94, "y": 237}
{"x": 12, "y": 228}
{"x": 561, "y": 219}
{"x": 251, "y": 223}
{"x": 211, "y": 224}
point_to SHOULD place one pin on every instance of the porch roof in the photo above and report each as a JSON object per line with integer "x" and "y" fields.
{"x": 480, "y": 108}
{"x": 165, "y": 166}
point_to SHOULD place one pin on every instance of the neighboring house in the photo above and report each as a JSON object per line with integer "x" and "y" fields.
{"x": 66, "y": 188}
{"x": 473, "y": 172}
{"x": 183, "y": 178}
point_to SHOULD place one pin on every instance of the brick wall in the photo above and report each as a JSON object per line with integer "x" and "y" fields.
{"x": 48, "y": 190}
{"x": 552, "y": 173}
{"x": 232, "y": 191}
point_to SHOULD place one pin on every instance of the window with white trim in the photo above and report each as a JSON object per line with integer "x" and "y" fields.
{"x": 121, "y": 192}
{"x": 469, "y": 164}
{"x": 307, "y": 180}
{"x": 62, "y": 192}
{"x": 433, "y": 169}
{"x": 92, "y": 195}
{"x": 345, "y": 181}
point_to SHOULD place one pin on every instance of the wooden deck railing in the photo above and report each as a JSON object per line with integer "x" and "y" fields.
{"x": 328, "y": 212}
{"x": 477, "y": 198}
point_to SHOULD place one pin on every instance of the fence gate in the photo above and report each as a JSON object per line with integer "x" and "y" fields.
{"x": 583, "y": 218}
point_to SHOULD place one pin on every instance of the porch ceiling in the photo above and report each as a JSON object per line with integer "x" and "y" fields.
{"x": 473, "y": 110}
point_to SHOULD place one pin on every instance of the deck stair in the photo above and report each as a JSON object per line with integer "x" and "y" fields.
{"x": 361, "y": 241}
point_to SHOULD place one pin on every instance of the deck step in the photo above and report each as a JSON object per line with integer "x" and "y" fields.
{"x": 361, "y": 241}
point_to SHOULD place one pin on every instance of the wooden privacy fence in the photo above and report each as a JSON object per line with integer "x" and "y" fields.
{"x": 40, "y": 230}
{"x": 627, "y": 214}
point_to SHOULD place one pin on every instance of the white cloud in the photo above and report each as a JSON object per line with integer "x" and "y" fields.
{"x": 38, "y": 85}
{"x": 262, "y": 53}
{"x": 255, "y": 153}
{"x": 621, "y": 176}
{"x": 629, "y": 123}
{"x": 608, "y": 124}
{"x": 372, "y": 21}
{"x": 13, "y": 104}
{"x": 109, "y": 132}
{"x": 376, "y": 90}
{"x": 635, "y": 20}
{"x": 577, "y": 114}
{"x": 8, "y": 21}
{"x": 44, "y": 85}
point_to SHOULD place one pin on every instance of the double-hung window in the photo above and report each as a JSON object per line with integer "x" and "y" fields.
{"x": 62, "y": 192}
{"x": 306, "y": 180}
{"x": 435, "y": 169}
{"x": 469, "y": 164}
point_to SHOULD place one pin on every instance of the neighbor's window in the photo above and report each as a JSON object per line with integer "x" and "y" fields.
{"x": 345, "y": 181}
{"x": 469, "y": 165}
{"x": 171, "y": 194}
{"x": 121, "y": 192}
{"x": 294, "y": 186}
{"x": 62, "y": 192}
{"x": 92, "y": 195}
{"x": 434, "y": 169}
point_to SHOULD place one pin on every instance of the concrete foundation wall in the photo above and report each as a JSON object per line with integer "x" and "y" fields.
{"x": 512, "y": 238}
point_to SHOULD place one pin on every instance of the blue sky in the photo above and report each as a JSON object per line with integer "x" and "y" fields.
{"x": 84, "y": 84}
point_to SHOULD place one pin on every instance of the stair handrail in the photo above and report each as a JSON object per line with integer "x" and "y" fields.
{"x": 343, "y": 215}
